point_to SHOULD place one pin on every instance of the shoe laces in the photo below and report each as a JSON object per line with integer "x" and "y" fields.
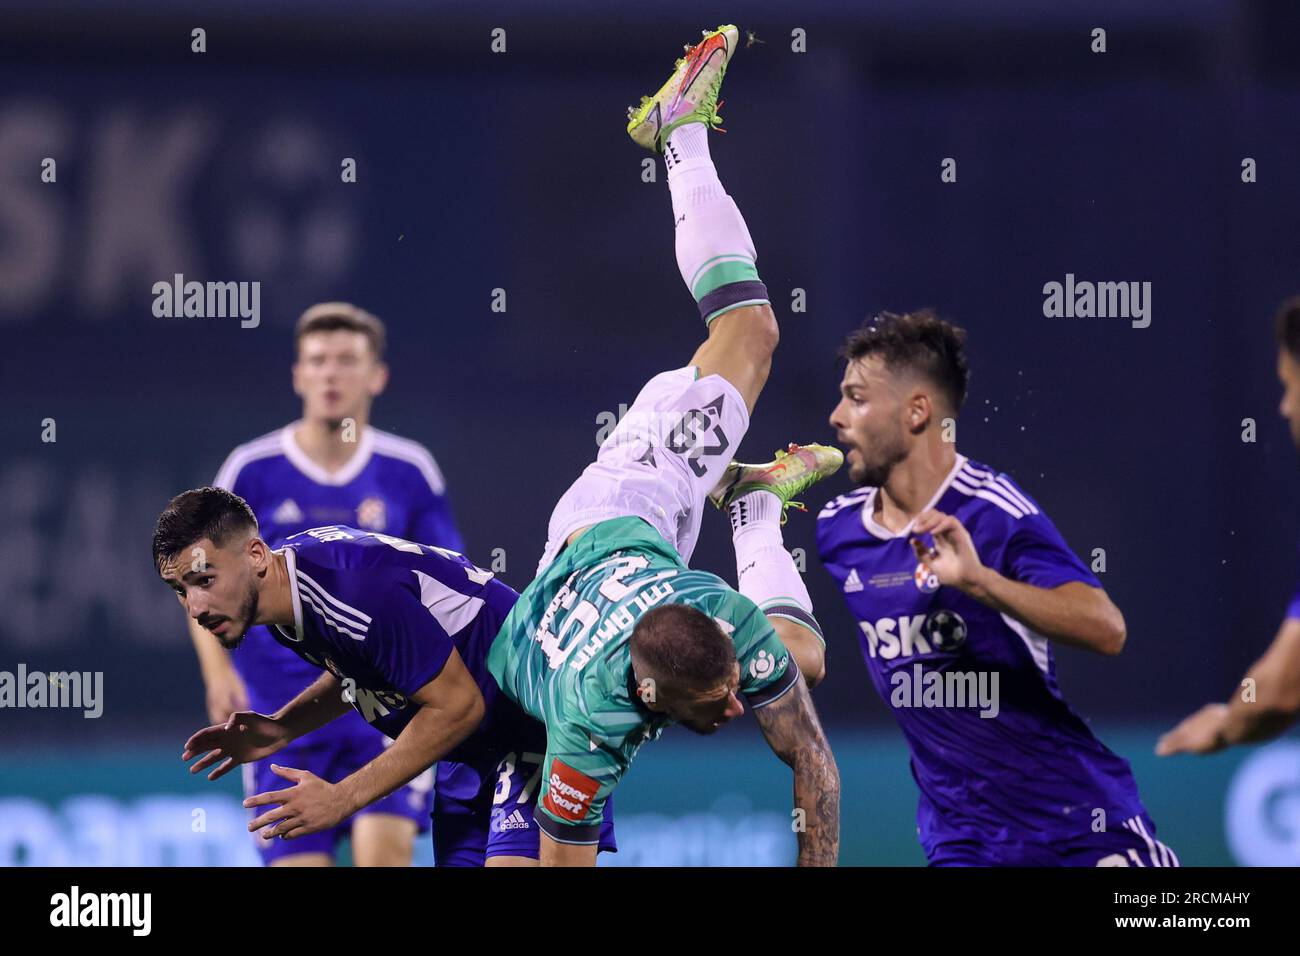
{"x": 800, "y": 484}
{"x": 797, "y": 505}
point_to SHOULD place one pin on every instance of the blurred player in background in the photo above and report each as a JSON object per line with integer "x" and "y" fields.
{"x": 617, "y": 639}
{"x": 1273, "y": 701}
{"x": 957, "y": 634}
{"x": 331, "y": 467}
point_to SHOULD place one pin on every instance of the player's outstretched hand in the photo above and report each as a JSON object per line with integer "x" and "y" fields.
{"x": 309, "y": 806}
{"x": 953, "y": 559}
{"x": 1201, "y": 733}
{"x": 243, "y": 738}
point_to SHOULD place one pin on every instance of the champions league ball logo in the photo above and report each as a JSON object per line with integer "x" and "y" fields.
{"x": 945, "y": 630}
{"x": 926, "y": 580}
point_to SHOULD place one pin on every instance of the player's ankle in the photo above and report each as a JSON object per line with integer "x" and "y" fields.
{"x": 756, "y": 508}
{"x": 685, "y": 143}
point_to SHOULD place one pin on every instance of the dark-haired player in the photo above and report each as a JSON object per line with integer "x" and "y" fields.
{"x": 1274, "y": 704}
{"x": 960, "y": 585}
{"x": 397, "y": 631}
{"x": 616, "y": 638}
{"x": 330, "y": 467}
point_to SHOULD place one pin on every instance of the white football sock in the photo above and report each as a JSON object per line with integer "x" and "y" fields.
{"x": 765, "y": 571}
{"x": 715, "y": 252}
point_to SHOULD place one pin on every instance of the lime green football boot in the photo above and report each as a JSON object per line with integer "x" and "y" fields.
{"x": 791, "y": 473}
{"x": 691, "y": 93}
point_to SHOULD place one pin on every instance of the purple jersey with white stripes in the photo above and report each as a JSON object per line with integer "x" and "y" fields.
{"x": 390, "y": 485}
{"x": 383, "y": 615}
{"x": 1003, "y": 764}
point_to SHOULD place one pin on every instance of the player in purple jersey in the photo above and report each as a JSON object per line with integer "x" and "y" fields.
{"x": 960, "y": 585}
{"x": 330, "y": 467}
{"x": 1269, "y": 698}
{"x": 401, "y": 632}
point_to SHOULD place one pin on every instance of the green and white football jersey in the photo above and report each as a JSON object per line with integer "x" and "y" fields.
{"x": 563, "y": 655}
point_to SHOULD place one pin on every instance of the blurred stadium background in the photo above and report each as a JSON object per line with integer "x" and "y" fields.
{"x": 480, "y": 171}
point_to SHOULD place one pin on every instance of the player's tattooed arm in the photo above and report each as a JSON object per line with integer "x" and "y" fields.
{"x": 795, "y": 735}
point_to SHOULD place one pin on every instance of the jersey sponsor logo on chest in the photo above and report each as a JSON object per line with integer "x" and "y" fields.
{"x": 373, "y": 704}
{"x": 893, "y": 637}
{"x": 370, "y": 704}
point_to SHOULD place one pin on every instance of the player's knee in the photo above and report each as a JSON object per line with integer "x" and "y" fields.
{"x": 815, "y": 671}
{"x": 806, "y": 649}
{"x": 303, "y": 859}
{"x": 385, "y": 854}
{"x": 764, "y": 334}
{"x": 382, "y": 840}
{"x": 751, "y": 329}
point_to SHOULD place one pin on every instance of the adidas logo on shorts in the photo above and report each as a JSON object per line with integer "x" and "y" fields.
{"x": 515, "y": 821}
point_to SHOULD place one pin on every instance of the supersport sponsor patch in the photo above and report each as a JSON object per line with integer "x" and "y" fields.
{"x": 569, "y": 792}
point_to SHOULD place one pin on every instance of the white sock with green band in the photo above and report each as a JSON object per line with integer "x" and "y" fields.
{"x": 715, "y": 252}
{"x": 765, "y": 571}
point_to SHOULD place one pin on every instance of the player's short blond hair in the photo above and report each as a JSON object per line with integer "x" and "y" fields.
{"x": 332, "y": 316}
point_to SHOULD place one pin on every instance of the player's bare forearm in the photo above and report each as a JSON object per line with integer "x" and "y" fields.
{"x": 1265, "y": 704}
{"x": 451, "y": 707}
{"x": 1267, "y": 701}
{"x": 795, "y": 735}
{"x": 1075, "y": 613}
{"x": 422, "y": 743}
{"x": 315, "y": 707}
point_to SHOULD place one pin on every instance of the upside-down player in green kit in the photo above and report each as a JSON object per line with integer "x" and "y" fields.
{"x": 616, "y": 638}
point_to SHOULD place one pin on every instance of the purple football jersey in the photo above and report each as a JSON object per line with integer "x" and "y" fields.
{"x": 390, "y": 485}
{"x": 1002, "y": 762}
{"x": 384, "y": 615}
